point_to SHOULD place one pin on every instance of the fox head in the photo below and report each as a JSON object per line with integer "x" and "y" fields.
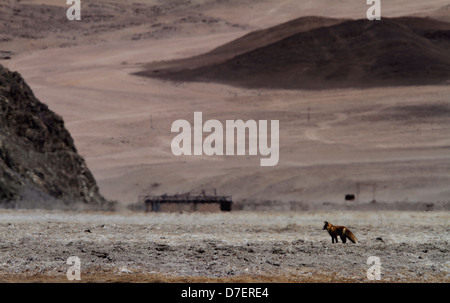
{"x": 326, "y": 225}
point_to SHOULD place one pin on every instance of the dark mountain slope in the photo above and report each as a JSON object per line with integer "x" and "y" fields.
{"x": 355, "y": 53}
{"x": 246, "y": 43}
{"x": 39, "y": 164}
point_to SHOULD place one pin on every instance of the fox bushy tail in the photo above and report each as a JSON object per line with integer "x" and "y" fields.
{"x": 350, "y": 236}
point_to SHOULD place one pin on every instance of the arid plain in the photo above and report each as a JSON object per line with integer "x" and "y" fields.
{"x": 390, "y": 145}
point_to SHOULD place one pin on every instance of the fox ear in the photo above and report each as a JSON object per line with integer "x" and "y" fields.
{"x": 325, "y": 222}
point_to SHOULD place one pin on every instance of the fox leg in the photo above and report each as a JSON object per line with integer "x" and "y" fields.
{"x": 343, "y": 238}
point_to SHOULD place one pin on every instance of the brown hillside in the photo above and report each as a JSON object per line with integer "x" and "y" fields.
{"x": 246, "y": 43}
{"x": 397, "y": 51}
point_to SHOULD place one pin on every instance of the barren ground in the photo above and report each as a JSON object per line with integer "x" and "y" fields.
{"x": 200, "y": 247}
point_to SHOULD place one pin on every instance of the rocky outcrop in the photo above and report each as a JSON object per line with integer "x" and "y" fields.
{"x": 39, "y": 163}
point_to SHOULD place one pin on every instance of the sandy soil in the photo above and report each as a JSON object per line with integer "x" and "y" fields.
{"x": 200, "y": 247}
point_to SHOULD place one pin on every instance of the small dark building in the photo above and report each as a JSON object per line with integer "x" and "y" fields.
{"x": 349, "y": 197}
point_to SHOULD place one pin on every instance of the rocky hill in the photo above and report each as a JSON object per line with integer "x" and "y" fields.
{"x": 39, "y": 163}
{"x": 331, "y": 53}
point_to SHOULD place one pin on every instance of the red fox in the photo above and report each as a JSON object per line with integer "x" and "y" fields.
{"x": 341, "y": 231}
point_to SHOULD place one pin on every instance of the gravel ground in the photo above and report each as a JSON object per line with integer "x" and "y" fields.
{"x": 238, "y": 246}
